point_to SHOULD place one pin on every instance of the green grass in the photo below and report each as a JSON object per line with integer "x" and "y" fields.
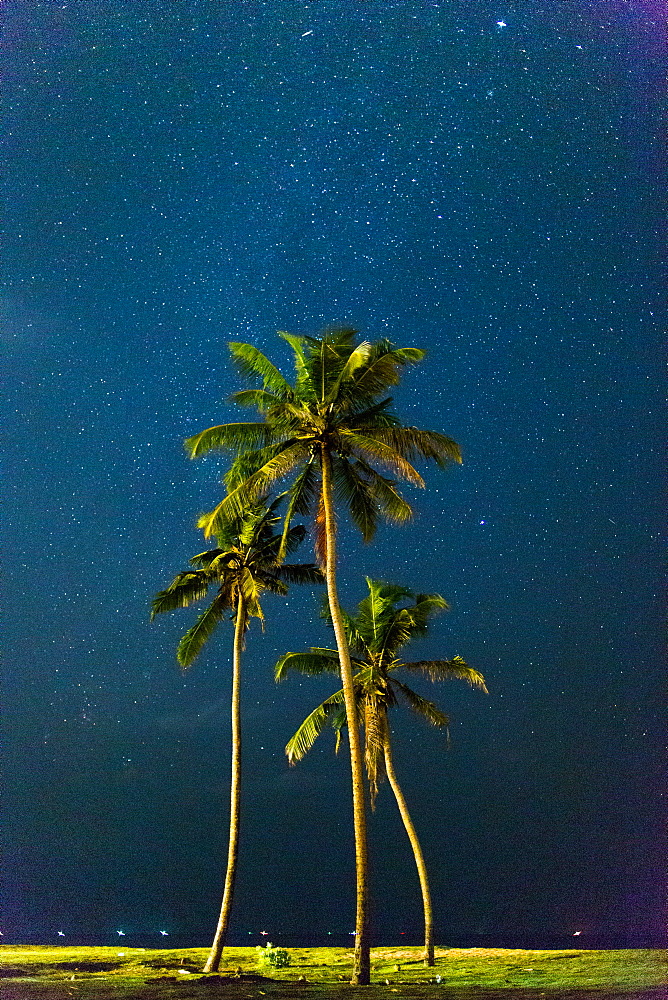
{"x": 118, "y": 973}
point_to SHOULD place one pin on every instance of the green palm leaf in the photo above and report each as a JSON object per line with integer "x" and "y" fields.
{"x": 308, "y": 573}
{"x": 227, "y": 437}
{"x": 259, "y": 398}
{"x": 413, "y": 443}
{"x": 442, "y": 670}
{"x": 313, "y": 663}
{"x": 184, "y": 590}
{"x": 246, "y": 493}
{"x": 427, "y": 709}
{"x": 369, "y": 448}
{"x": 387, "y": 497}
{"x": 355, "y": 360}
{"x": 302, "y": 494}
{"x": 252, "y": 363}
{"x": 352, "y": 488}
{"x": 195, "y": 638}
{"x": 311, "y": 727}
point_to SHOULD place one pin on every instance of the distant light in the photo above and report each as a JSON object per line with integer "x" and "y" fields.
{"x": 61, "y": 934}
{"x": 264, "y": 933}
{"x": 482, "y": 522}
{"x": 121, "y": 933}
{"x": 501, "y": 24}
{"x": 577, "y": 933}
{"x": 165, "y": 933}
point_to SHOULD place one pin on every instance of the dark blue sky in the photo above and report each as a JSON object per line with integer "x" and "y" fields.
{"x": 481, "y": 179}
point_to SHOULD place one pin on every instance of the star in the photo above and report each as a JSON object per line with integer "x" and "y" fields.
{"x": 61, "y": 934}
{"x": 164, "y": 933}
{"x": 121, "y": 933}
{"x": 501, "y": 24}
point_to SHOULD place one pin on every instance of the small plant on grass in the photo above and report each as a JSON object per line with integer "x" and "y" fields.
{"x": 277, "y": 958}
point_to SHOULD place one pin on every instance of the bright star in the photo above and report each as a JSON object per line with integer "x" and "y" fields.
{"x": 164, "y": 933}
{"x": 121, "y": 933}
{"x": 501, "y": 24}
{"x": 61, "y": 934}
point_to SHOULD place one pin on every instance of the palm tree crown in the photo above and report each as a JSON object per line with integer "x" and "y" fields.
{"x": 243, "y": 565}
{"x": 376, "y": 634}
{"x": 338, "y": 402}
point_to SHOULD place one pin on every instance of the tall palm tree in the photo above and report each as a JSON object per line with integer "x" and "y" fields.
{"x": 375, "y": 636}
{"x": 330, "y": 431}
{"x": 244, "y": 564}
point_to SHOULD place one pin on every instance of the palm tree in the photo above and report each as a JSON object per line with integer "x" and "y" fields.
{"x": 244, "y": 564}
{"x": 330, "y": 430}
{"x": 375, "y": 635}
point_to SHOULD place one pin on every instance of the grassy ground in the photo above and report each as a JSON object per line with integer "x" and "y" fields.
{"x": 53, "y": 973}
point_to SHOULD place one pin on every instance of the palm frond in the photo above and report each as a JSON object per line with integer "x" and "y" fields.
{"x": 247, "y": 463}
{"x": 303, "y": 387}
{"x": 390, "y": 502}
{"x": 276, "y": 546}
{"x": 313, "y": 663}
{"x": 351, "y": 487}
{"x": 355, "y": 360}
{"x": 195, "y": 638}
{"x": 302, "y": 494}
{"x": 442, "y": 670}
{"x": 370, "y": 448}
{"x": 226, "y": 437}
{"x": 252, "y": 363}
{"x": 376, "y": 612}
{"x": 413, "y": 443}
{"x": 259, "y": 398}
{"x": 425, "y": 607}
{"x": 204, "y": 559}
{"x": 247, "y": 492}
{"x": 371, "y": 414}
{"x": 427, "y": 709}
{"x": 399, "y": 631}
{"x": 307, "y": 573}
{"x": 382, "y": 369}
{"x": 184, "y": 590}
{"x": 311, "y": 727}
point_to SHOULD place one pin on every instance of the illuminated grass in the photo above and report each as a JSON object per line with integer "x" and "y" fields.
{"x": 118, "y": 973}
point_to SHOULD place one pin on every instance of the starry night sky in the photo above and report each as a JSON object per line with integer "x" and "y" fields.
{"x": 481, "y": 179}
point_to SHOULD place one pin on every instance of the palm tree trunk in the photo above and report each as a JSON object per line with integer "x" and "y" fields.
{"x": 417, "y": 851}
{"x": 215, "y": 955}
{"x": 362, "y": 963}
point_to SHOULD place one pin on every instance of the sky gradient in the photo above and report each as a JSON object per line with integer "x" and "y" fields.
{"x": 483, "y": 180}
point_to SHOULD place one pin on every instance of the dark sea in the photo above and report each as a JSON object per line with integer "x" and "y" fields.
{"x": 336, "y": 939}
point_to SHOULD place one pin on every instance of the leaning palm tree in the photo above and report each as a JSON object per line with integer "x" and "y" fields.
{"x": 244, "y": 564}
{"x": 331, "y": 430}
{"x": 375, "y": 636}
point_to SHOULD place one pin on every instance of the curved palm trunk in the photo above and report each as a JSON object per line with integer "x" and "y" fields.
{"x": 417, "y": 851}
{"x": 213, "y": 961}
{"x": 361, "y": 967}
